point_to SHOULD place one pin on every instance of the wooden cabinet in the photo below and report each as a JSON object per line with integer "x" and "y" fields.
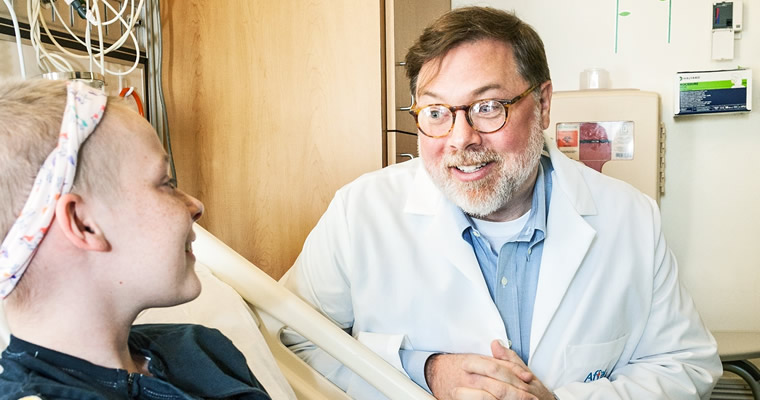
{"x": 274, "y": 105}
{"x": 405, "y": 21}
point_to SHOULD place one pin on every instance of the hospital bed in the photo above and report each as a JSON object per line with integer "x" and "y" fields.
{"x": 251, "y": 308}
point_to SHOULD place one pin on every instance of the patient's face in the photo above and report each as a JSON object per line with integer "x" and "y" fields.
{"x": 150, "y": 227}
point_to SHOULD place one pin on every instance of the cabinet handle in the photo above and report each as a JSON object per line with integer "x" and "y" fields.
{"x": 400, "y": 63}
{"x": 411, "y": 156}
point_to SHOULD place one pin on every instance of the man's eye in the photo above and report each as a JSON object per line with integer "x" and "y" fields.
{"x": 172, "y": 183}
{"x": 488, "y": 110}
{"x": 436, "y": 114}
{"x": 485, "y": 108}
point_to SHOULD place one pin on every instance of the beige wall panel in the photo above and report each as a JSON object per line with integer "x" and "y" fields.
{"x": 273, "y": 105}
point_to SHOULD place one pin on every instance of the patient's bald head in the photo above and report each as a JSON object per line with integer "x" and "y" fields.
{"x": 30, "y": 122}
{"x": 31, "y": 113}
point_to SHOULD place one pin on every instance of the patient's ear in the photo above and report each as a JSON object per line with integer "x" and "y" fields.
{"x": 78, "y": 224}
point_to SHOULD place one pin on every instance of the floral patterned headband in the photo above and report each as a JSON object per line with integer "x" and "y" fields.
{"x": 84, "y": 110}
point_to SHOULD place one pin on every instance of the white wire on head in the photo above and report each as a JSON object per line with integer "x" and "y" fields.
{"x": 49, "y": 62}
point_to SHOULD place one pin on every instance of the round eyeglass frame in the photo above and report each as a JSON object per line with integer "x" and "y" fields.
{"x": 506, "y": 103}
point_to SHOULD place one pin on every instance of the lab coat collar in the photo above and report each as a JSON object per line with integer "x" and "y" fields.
{"x": 426, "y": 199}
{"x": 568, "y": 239}
{"x": 570, "y": 180}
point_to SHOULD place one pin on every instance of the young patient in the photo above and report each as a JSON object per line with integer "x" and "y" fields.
{"x": 104, "y": 234}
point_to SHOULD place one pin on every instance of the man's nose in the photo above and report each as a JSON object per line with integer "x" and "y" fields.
{"x": 462, "y": 134}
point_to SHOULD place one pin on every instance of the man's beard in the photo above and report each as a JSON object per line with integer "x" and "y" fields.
{"x": 484, "y": 197}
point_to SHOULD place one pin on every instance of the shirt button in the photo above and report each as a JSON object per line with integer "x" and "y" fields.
{"x": 509, "y": 343}
{"x": 504, "y": 281}
{"x": 530, "y": 251}
{"x": 476, "y": 233}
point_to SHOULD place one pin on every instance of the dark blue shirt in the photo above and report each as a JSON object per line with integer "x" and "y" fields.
{"x": 186, "y": 362}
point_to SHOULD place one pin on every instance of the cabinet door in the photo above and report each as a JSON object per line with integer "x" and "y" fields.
{"x": 273, "y": 106}
{"x": 406, "y": 146}
{"x": 404, "y": 22}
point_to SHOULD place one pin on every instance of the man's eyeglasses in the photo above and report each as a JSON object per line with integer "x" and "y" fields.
{"x": 485, "y": 116}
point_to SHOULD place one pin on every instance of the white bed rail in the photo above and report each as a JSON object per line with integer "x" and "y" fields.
{"x": 277, "y": 307}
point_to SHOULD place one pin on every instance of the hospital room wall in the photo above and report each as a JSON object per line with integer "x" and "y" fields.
{"x": 273, "y": 105}
{"x": 710, "y": 213}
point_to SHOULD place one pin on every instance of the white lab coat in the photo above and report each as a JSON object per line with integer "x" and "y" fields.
{"x": 386, "y": 258}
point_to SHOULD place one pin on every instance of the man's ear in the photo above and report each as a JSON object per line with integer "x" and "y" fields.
{"x": 546, "y": 103}
{"x": 78, "y": 224}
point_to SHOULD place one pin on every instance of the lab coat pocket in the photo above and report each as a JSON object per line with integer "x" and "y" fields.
{"x": 590, "y": 362}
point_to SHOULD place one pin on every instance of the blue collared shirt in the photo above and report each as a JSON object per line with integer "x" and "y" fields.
{"x": 511, "y": 273}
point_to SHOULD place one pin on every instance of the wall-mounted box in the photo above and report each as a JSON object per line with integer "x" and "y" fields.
{"x": 707, "y": 92}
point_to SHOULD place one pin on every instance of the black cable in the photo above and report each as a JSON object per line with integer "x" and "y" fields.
{"x": 80, "y": 7}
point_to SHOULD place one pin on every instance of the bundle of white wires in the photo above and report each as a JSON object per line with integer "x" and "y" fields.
{"x": 53, "y": 62}
{"x": 56, "y": 58}
{"x": 18, "y": 37}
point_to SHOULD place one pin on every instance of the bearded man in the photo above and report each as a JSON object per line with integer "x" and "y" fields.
{"x": 494, "y": 267}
